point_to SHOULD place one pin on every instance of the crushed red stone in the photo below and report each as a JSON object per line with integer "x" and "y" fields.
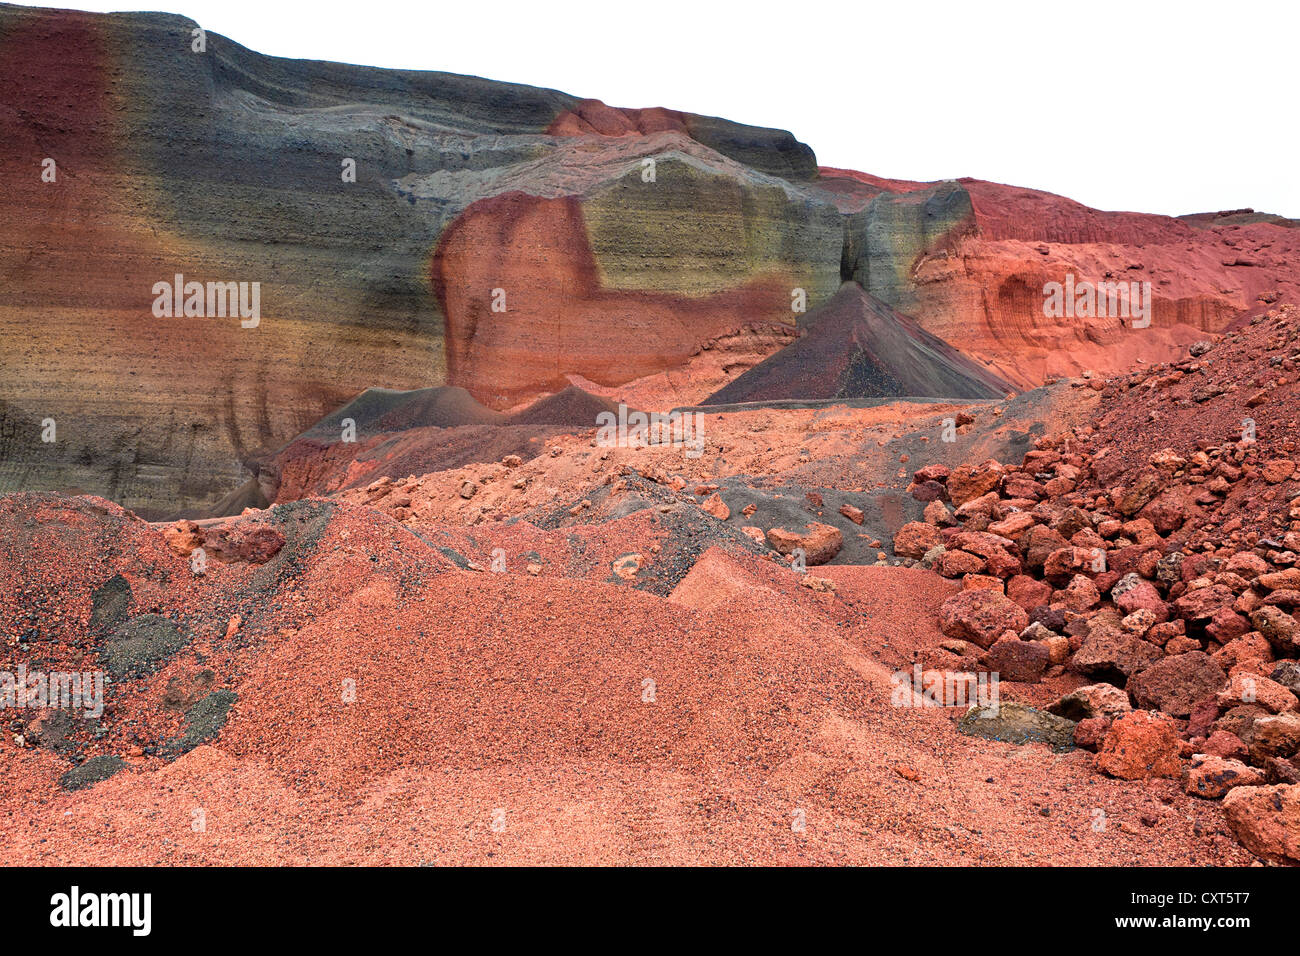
{"x": 1162, "y": 541}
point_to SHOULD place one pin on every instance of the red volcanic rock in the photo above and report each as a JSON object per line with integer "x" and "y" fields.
{"x": 1016, "y": 660}
{"x": 1013, "y": 525}
{"x": 1271, "y": 735}
{"x": 1247, "y": 564}
{"x": 1090, "y": 732}
{"x": 1027, "y": 592}
{"x": 1167, "y": 513}
{"x": 1212, "y": 777}
{"x": 715, "y": 506}
{"x": 1162, "y": 634}
{"x": 1174, "y": 684}
{"x": 1277, "y": 471}
{"x": 253, "y": 541}
{"x": 1281, "y": 580}
{"x": 981, "y": 617}
{"x": 998, "y": 553}
{"x": 1227, "y": 625}
{"x": 1226, "y": 745}
{"x": 1203, "y": 603}
{"x": 853, "y": 514}
{"x": 1132, "y": 593}
{"x": 915, "y": 538}
{"x": 937, "y": 473}
{"x": 1246, "y": 688}
{"x": 970, "y": 481}
{"x": 1248, "y": 647}
{"x": 954, "y": 564}
{"x": 928, "y": 491}
{"x": 1139, "y": 745}
{"x": 1064, "y": 563}
{"x": 183, "y": 537}
{"x": 1021, "y": 487}
{"x": 937, "y": 513}
{"x": 1107, "y": 649}
{"x": 1080, "y": 594}
{"x": 1092, "y": 700}
{"x": 984, "y": 506}
{"x": 1280, "y": 629}
{"x": 1140, "y": 530}
{"x": 1071, "y": 521}
{"x": 820, "y": 542}
{"x": 1139, "y": 623}
{"x": 249, "y": 541}
{"x": 1266, "y": 820}
{"x": 1038, "y": 543}
{"x": 1138, "y": 494}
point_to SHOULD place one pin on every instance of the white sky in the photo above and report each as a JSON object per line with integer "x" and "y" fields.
{"x": 1168, "y": 107}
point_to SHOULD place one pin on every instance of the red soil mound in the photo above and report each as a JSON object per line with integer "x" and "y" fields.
{"x": 452, "y": 716}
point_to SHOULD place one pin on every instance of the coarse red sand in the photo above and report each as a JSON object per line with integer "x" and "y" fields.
{"x": 505, "y": 718}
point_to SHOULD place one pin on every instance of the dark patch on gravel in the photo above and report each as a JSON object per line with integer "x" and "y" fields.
{"x": 203, "y": 721}
{"x": 455, "y": 557}
{"x": 302, "y": 523}
{"x": 639, "y": 494}
{"x": 1006, "y": 438}
{"x": 691, "y": 532}
{"x": 59, "y": 729}
{"x": 823, "y": 403}
{"x": 109, "y": 604}
{"x": 91, "y": 772}
{"x": 139, "y": 646}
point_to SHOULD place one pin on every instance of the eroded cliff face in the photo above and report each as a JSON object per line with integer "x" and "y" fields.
{"x": 228, "y": 166}
{"x": 500, "y": 238}
{"x": 970, "y": 260}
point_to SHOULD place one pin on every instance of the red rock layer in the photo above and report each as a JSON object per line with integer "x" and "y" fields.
{"x": 592, "y": 117}
{"x": 558, "y": 318}
{"x": 987, "y": 295}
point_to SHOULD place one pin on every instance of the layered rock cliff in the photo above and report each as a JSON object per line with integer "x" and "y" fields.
{"x": 414, "y": 229}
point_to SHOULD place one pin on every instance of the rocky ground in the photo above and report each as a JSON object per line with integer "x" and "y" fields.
{"x": 1151, "y": 557}
{"x": 627, "y": 655}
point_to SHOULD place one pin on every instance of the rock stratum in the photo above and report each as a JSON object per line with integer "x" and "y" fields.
{"x": 502, "y": 239}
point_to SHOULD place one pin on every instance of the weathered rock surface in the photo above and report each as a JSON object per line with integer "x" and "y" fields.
{"x": 1017, "y": 724}
{"x": 1266, "y": 820}
{"x": 500, "y": 238}
{"x": 1140, "y": 744}
{"x": 981, "y": 617}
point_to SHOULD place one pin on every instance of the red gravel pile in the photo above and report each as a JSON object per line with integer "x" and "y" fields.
{"x": 1152, "y": 554}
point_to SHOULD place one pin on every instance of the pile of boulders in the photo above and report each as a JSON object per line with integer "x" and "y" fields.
{"x": 1180, "y": 617}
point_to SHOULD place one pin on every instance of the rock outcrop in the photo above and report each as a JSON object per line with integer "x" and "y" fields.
{"x": 411, "y": 230}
